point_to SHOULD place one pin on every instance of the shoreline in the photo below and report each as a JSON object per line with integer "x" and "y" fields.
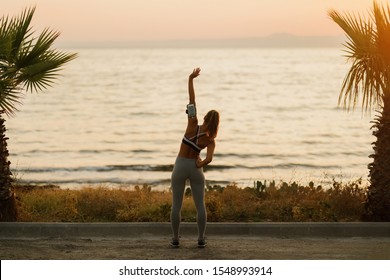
{"x": 163, "y": 185}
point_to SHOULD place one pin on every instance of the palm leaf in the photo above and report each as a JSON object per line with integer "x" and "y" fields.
{"x": 16, "y": 31}
{"x": 382, "y": 21}
{"x": 21, "y": 30}
{"x": 43, "y": 73}
{"x": 5, "y": 42}
{"x": 26, "y": 62}
{"x": 368, "y": 66}
{"x": 10, "y": 96}
{"x": 32, "y": 52}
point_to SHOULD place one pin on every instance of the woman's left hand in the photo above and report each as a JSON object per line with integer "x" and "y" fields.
{"x": 199, "y": 162}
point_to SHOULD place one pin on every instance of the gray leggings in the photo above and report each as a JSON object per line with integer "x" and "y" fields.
{"x": 185, "y": 168}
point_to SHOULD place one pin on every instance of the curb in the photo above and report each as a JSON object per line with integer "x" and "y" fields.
{"x": 140, "y": 230}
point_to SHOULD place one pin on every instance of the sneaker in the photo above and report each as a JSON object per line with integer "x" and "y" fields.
{"x": 202, "y": 243}
{"x": 175, "y": 243}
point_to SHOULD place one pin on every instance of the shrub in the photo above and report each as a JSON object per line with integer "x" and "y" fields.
{"x": 286, "y": 202}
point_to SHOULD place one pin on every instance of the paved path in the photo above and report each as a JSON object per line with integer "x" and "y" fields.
{"x": 285, "y": 241}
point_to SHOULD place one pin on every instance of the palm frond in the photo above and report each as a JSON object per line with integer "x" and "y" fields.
{"x": 16, "y": 31}
{"x": 5, "y": 41}
{"x": 358, "y": 31}
{"x": 381, "y": 16}
{"x": 368, "y": 69}
{"x": 32, "y": 52}
{"x": 43, "y": 73}
{"x": 364, "y": 77}
{"x": 10, "y": 96}
{"x": 5, "y": 26}
{"x": 21, "y": 29}
{"x": 26, "y": 63}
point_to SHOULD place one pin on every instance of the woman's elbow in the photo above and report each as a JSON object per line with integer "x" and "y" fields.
{"x": 208, "y": 160}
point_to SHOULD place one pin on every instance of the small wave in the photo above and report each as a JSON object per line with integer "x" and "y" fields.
{"x": 166, "y": 168}
{"x": 95, "y": 151}
{"x": 163, "y": 168}
{"x": 139, "y": 167}
{"x": 217, "y": 167}
{"x": 97, "y": 182}
{"x": 112, "y": 182}
{"x": 298, "y": 165}
{"x": 241, "y": 155}
{"x": 108, "y": 168}
{"x": 102, "y": 151}
{"x": 84, "y": 151}
{"x": 142, "y": 151}
{"x": 55, "y": 169}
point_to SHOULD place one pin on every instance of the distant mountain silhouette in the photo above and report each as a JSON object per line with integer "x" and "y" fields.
{"x": 279, "y": 40}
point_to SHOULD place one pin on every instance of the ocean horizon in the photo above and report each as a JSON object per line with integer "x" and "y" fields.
{"x": 275, "y": 40}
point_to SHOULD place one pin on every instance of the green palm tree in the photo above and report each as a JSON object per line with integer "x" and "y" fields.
{"x": 368, "y": 48}
{"x": 27, "y": 63}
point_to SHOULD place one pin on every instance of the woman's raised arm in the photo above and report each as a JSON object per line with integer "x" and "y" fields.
{"x": 195, "y": 73}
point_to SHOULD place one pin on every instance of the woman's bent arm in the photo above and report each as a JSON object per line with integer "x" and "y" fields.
{"x": 209, "y": 156}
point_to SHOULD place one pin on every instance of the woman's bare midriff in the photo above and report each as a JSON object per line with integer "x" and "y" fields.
{"x": 187, "y": 152}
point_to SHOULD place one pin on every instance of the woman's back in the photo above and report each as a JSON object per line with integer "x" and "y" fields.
{"x": 195, "y": 139}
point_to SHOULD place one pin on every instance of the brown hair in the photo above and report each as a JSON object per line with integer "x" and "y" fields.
{"x": 211, "y": 120}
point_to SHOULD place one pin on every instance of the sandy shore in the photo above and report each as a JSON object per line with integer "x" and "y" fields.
{"x": 219, "y": 247}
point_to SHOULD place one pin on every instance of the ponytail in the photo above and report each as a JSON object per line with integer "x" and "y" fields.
{"x": 211, "y": 120}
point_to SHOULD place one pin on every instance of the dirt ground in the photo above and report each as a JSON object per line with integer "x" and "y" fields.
{"x": 219, "y": 248}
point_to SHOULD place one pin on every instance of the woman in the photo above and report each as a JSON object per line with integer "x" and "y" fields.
{"x": 189, "y": 165}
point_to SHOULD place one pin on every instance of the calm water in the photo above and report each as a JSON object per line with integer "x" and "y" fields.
{"x": 117, "y": 116}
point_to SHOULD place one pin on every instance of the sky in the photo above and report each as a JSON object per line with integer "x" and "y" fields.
{"x": 154, "y": 20}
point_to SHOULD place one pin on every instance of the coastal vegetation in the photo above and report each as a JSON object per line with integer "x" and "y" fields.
{"x": 263, "y": 202}
{"x": 27, "y": 63}
{"x": 367, "y": 47}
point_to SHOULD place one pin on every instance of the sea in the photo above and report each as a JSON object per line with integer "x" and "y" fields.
{"x": 116, "y": 117}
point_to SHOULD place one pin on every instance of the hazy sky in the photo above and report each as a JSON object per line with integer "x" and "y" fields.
{"x": 132, "y": 20}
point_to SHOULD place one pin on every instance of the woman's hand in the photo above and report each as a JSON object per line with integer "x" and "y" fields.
{"x": 195, "y": 73}
{"x": 199, "y": 163}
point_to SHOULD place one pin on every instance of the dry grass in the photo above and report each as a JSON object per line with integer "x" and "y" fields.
{"x": 276, "y": 203}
